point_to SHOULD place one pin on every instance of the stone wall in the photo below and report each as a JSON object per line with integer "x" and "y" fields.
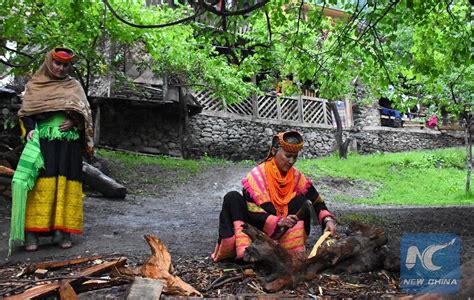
{"x": 365, "y": 115}
{"x": 218, "y": 134}
{"x": 385, "y": 139}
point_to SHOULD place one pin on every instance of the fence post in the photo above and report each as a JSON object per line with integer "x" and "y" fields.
{"x": 224, "y": 106}
{"x": 277, "y": 99}
{"x": 254, "y": 99}
{"x": 325, "y": 112}
{"x": 300, "y": 109}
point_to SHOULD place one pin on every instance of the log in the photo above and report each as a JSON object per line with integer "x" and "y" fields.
{"x": 97, "y": 180}
{"x": 360, "y": 250}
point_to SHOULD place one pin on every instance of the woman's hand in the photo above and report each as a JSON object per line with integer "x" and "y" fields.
{"x": 288, "y": 221}
{"x": 66, "y": 125}
{"x": 331, "y": 226}
{"x": 29, "y": 136}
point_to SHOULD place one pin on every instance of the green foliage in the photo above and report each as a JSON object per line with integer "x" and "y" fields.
{"x": 409, "y": 178}
{"x": 412, "y": 52}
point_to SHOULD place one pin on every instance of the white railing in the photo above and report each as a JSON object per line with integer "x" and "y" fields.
{"x": 301, "y": 109}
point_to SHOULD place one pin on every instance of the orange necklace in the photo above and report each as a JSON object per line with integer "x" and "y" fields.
{"x": 281, "y": 187}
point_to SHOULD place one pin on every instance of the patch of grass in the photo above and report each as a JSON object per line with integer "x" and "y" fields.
{"x": 191, "y": 166}
{"x": 343, "y": 198}
{"x": 436, "y": 177}
{"x": 361, "y": 218}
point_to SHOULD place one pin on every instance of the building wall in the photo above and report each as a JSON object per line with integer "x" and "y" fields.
{"x": 146, "y": 129}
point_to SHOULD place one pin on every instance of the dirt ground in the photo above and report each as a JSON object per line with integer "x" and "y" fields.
{"x": 184, "y": 214}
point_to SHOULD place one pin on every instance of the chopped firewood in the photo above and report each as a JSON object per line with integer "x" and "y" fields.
{"x": 75, "y": 280}
{"x": 145, "y": 288}
{"x": 51, "y": 265}
{"x": 318, "y": 244}
{"x": 66, "y": 292}
{"x": 158, "y": 266}
{"x": 96, "y": 284}
{"x": 40, "y": 273}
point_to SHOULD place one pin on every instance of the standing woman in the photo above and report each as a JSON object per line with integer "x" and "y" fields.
{"x": 47, "y": 184}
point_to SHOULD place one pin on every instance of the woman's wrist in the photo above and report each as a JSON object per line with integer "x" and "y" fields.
{"x": 328, "y": 219}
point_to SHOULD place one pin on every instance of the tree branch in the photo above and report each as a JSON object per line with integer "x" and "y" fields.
{"x": 16, "y": 51}
{"x": 114, "y": 13}
{"x": 269, "y": 27}
{"x": 299, "y": 17}
{"x": 392, "y": 5}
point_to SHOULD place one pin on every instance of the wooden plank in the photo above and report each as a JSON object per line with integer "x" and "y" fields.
{"x": 146, "y": 289}
{"x": 51, "y": 265}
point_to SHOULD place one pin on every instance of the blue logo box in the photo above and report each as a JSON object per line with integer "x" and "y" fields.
{"x": 430, "y": 262}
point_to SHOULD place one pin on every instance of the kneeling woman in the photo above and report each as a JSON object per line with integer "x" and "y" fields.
{"x": 47, "y": 188}
{"x": 272, "y": 194}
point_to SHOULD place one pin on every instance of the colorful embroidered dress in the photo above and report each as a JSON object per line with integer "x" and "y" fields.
{"x": 55, "y": 202}
{"x": 255, "y": 206}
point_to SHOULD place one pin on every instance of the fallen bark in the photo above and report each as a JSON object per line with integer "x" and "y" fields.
{"x": 284, "y": 270}
{"x": 158, "y": 266}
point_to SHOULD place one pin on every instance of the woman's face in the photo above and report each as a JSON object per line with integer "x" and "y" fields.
{"x": 285, "y": 160}
{"x": 60, "y": 69}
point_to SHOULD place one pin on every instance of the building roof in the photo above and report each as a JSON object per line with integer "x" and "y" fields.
{"x": 149, "y": 95}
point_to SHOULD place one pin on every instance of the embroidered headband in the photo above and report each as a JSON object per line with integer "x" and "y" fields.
{"x": 290, "y": 147}
{"x": 63, "y": 55}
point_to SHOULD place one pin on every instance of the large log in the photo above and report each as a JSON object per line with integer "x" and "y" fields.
{"x": 97, "y": 180}
{"x": 360, "y": 250}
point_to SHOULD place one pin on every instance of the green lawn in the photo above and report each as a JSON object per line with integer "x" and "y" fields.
{"x": 436, "y": 177}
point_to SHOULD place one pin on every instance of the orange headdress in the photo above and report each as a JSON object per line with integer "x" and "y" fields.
{"x": 63, "y": 55}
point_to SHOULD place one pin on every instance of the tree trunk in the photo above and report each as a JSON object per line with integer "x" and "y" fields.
{"x": 94, "y": 178}
{"x": 359, "y": 251}
{"x": 468, "y": 141}
{"x": 342, "y": 146}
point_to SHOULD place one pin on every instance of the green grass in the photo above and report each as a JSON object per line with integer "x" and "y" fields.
{"x": 192, "y": 167}
{"x": 436, "y": 177}
{"x": 361, "y": 218}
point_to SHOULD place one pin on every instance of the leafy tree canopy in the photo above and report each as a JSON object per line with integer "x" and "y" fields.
{"x": 409, "y": 51}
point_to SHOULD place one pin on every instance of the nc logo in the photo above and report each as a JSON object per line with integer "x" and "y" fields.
{"x": 426, "y": 257}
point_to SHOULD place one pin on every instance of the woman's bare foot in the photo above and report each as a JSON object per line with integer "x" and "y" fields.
{"x": 65, "y": 242}
{"x": 31, "y": 241}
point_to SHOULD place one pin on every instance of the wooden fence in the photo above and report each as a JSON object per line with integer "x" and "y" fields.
{"x": 300, "y": 109}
